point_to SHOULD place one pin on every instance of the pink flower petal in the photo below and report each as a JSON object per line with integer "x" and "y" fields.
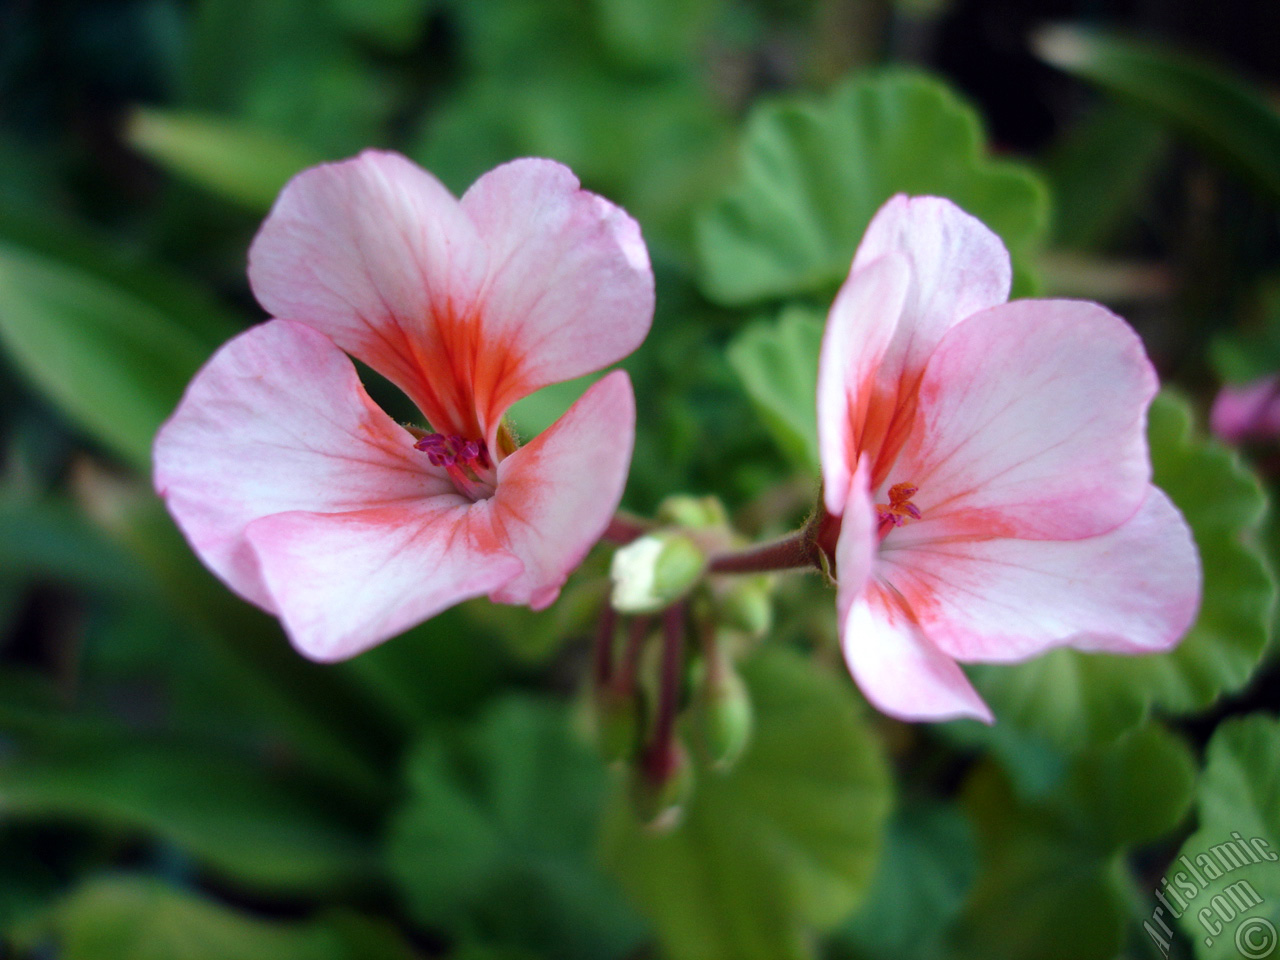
{"x": 1134, "y": 589}
{"x": 958, "y": 267}
{"x": 277, "y": 420}
{"x": 899, "y": 670}
{"x": 375, "y": 253}
{"x": 557, "y": 494}
{"x": 861, "y": 325}
{"x": 1248, "y": 412}
{"x": 570, "y": 288}
{"x": 1031, "y": 423}
{"x": 467, "y": 306}
{"x": 344, "y": 582}
{"x": 895, "y": 665}
{"x": 886, "y": 323}
{"x": 858, "y": 543}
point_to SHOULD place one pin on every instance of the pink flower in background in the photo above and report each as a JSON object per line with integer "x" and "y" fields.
{"x": 988, "y": 461}
{"x": 308, "y": 500}
{"x": 1247, "y": 412}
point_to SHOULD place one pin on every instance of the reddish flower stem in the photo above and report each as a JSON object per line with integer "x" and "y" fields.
{"x": 794, "y": 551}
{"x": 625, "y": 680}
{"x": 669, "y": 680}
{"x": 603, "y": 653}
{"x": 625, "y": 527}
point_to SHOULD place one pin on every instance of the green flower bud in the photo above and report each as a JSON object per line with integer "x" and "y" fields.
{"x": 617, "y": 724}
{"x": 696, "y": 513}
{"x": 724, "y": 716}
{"x": 651, "y": 573}
{"x": 660, "y": 787}
{"x": 746, "y": 605}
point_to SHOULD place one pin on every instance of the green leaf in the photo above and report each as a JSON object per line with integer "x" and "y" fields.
{"x": 344, "y": 736}
{"x": 1069, "y": 697}
{"x": 1101, "y": 171}
{"x": 552, "y": 80}
{"x": 393, "y": 24}
{"x": 1238, "y": 803}
{"x": 777, "y": 364}
{"x": 814, "y": 173}
{"x": 113, "y": 363}
{"x": 496, "y": 842}
{"x": 1202, "y": 101}
{"x": 784, "y": 842}
{"x": 110, "y": 342}
{"x": 232, "y": 159}
{"x": 652, "y": 145}
{"x": 49, "y": 538}
{"x": 120, "y": 266}
{"x": 536, "y": 636}
{"x": 1056, "y": 863}
{"x": 28, "y": 880}
{"x": 1253, "y": 352}
{"x": 286, "y": 65}
{"x": 124, "y": 918}
{"x": 654, "y": 33}
{"x": 532, "y": 414}
{"x": 227, "y": 814}
{"x": 928, "y": 866}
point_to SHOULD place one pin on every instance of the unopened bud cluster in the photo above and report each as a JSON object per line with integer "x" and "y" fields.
{"x": 661, "y": 727}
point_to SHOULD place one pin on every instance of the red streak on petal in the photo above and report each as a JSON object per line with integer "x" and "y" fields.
{"x": 880, "y": 420}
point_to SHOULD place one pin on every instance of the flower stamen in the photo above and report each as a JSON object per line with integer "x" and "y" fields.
{"x": 899, "y": 509}
{"x": 466, "y": 461}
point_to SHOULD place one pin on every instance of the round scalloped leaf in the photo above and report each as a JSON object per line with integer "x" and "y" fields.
{"x": 784, "y": 842}
{"x": 928, "y": 867}
{"x": 496, "y": 841}
{"x": 1070, "y": 697}
{"x": 814, "y": 172}
{"x": 777, "y": 364}
{"x": 1237, "y": 912}
{"x": 1054, "y": 864}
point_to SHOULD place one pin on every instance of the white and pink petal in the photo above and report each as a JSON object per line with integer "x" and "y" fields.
{"x": 569, "y": 290}
{"x": 344, "y": 582}
{"x": 958, "y": 267}
{"x": 276, "y": 421}
{"x": 861, "y": 325}
{"x": 899, "y": 669}
{"x": 376, "y": 254}
{"x": 1134, "y": 589}
{"x": 1031, "y": 423}
{"x": 895, "y": 665}
{"x": 557, "y": 494}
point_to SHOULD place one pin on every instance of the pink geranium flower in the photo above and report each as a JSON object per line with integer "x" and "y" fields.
{"x": 988, "y": 464}
{"x": 308, "y": 500}
{"x": 1248, "y": 411}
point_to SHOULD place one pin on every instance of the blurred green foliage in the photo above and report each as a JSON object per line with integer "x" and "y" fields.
{"x": 785, "y": 841}
{"x": 1238, "y": 799}
{"x": 812, "y": 176}
{"x": 176, "y": 782}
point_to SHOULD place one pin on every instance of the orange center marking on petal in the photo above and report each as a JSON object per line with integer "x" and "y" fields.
{"x": 899, "y": 509}
{"x": 466, "y": 461}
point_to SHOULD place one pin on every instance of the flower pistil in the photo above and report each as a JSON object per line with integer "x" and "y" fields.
{"x": 466, "y": 461}
{"x": 899, "y": 509}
